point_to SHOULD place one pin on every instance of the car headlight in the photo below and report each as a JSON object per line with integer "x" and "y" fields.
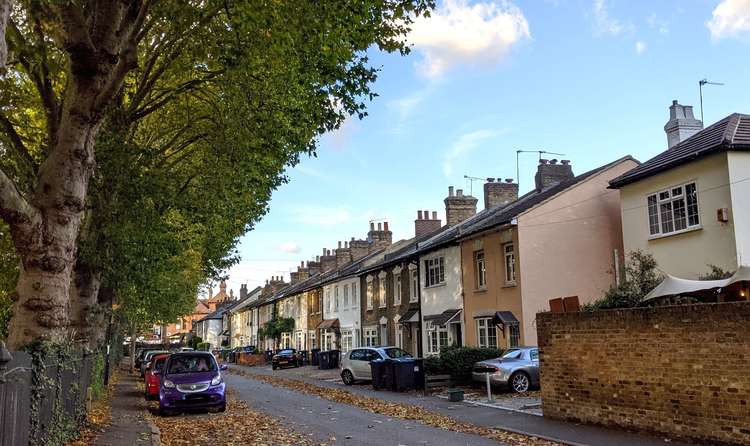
{"x": 217, "y": 380}
{"x": 168, "y": 384}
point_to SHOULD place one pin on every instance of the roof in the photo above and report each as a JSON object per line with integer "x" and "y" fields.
{"x": 731, "y": 133}
{"x": 501, "y": 215}
{"x": 328, "y": 323}
{"x": 409, "y": 316}
{"x": 443, "y": 318}
{"x": 505, "y": 318}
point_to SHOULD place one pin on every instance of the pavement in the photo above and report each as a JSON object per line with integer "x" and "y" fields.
{"x": 513, "y": 421}
{"x": 129, "y": 425}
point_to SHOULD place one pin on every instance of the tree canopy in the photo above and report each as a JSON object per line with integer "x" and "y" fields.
{"x": 141, "y": 139}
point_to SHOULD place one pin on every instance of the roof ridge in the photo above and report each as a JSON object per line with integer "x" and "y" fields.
{"x": 736, "y": 123}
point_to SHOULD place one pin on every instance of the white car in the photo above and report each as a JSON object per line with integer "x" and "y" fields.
{"x": 355, "y": 364}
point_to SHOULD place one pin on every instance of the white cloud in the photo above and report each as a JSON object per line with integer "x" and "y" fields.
{"x": 289, "y": 247}
{"x": 463, "y": 147}
{"x": 730, "y": 18}
{"x": 640, "y": 47}
{"x": 658, "y": 23}
{"x": 321, "y": 215}
{"x": 459, "y": 33}
{"x": 606, "y": 24}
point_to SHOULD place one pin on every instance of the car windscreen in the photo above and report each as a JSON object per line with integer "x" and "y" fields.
{"x": 191, "y": 364}
{"x": 159, "y": 364}
{"x": 151, "y": 354}
{"x": 286, "y": 352}
{"x": 396, "y": 353}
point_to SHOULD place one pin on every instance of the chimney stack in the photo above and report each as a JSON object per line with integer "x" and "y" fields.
{"x": 358, "y": 248}
{"x": 424, "y": 225}
{"x": 343, "y": 255}
{"x": 243, "y": 291}
{"x": 459, "y": 207}
{"x": 380, "y": 238}
{"x": 313, "y": 267}
{"x": 682, "y": 124}
{"x": 327, "y": 261}
{"x": 549, "y": 173}
{"x": 497, "y": 193}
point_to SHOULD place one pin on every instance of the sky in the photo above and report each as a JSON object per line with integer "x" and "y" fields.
{"x": 591, "y": 79}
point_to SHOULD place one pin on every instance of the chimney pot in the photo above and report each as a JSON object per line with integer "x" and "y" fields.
{"x": 317, "y": 258}
{"x": 385, "y": 226}
{"x": 372, "y": 226}
{"x": 543, "y": 161}
{"x": 346, "y": 244}
{"x": 339, "y": 243}
{"x": 302, "y": 264}
{"x": 419, "y": 215}
{"x": 380, "y": 226}
{"x": 490, "y": 180}
{"x": 329, "y": 252}
{"x": 434, "y": 215}
{"x": 565, "y": 162}
{"x": 674, "y": 102}
{"x": 324, "y": 251}
{"x": 459, "y": 192}
{"x": 450, "y": 191}
{"x": 553, "y": 161}
{"x": 509, "y": 180}
{"x": 352, "y": 238}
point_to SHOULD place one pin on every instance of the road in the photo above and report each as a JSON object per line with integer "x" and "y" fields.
{"x": 349, "y": 425}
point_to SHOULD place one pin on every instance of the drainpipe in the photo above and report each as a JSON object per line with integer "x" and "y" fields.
{"x": 420, "y": 347}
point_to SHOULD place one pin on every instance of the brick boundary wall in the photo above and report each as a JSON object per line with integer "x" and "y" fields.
{"x": 252, "y": 360}
{"x": 682, "y": 371}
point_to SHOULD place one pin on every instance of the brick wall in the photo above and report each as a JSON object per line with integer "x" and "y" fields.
{"x": 683, "y": 371}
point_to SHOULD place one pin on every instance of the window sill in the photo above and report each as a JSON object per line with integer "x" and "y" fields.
{"x": 437, "y": 285}
{"x": 480, "y": 290}
{"x": 509, "y": 285}
{"x": 684, "y": 231}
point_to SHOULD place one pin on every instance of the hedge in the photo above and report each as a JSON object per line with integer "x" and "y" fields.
{"x": 204, "y": 346}
{"x": 458, "y": 361}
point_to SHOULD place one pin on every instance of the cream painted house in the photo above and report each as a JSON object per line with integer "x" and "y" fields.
{"x": 690, "y": 205}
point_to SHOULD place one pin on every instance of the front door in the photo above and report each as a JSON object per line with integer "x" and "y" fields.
{"x": 457, "y": 335}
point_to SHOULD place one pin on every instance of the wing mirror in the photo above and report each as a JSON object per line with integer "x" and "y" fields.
{"x": 223, "y": 367}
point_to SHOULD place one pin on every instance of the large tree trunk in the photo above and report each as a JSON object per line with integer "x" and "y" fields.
{"x": 86, "y": 312}
{"x": 45, "y": 227}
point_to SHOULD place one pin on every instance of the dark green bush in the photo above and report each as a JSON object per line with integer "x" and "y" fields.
{"x": 204, "y": 346}
{"x": 433, "y": 365}
{"x": 458, "y": 361}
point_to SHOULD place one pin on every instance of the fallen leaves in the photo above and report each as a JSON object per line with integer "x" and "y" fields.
{"x": 397, "y": 410}
{"x": 98, "y": 417}
{"x": 239, "y": 425}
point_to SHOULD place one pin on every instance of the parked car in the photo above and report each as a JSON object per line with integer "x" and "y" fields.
{"x": 355, "y": 364}
{"x": 517, "y": 369}
{"x": 286, "y": 358}
{"x": 152, "y": 376}
{"x": 147, "y": 359}
{"x": 187, "y": 349}
{"x": 191, "y": 380}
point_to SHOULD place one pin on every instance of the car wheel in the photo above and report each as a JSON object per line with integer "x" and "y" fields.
{"x": 520, "y": 382}
{"x": 223, "y": 407}
{"x": 164, "y": 412}
{"x": 347, "y": 377}
{"x": 273, "y": 367}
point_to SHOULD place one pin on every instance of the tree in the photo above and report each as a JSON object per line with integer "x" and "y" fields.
{"x": 716, "y": 272}
{"x": 274, "y": 328}
{"x": 165, "y": 88}
{"x": 4, "y": 14}
{"x": 641, "y": 276}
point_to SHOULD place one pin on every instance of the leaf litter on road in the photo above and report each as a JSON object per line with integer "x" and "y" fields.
{"x": 398, "y": 410}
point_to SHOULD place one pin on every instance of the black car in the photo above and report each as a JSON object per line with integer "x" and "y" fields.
{"x": 286, "y": 358}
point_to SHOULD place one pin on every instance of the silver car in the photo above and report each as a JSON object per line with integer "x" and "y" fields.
{"x": 355, "y": 364}
{"x": 517, "y": 369}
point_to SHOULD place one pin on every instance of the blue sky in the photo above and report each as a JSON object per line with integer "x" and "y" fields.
{"x": 592, "y": 79}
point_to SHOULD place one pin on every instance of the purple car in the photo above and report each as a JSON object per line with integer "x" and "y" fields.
{"x": 192, "y": 380}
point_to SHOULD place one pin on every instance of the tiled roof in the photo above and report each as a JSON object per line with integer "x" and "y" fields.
{"x": 731, "y": 133}
{"x": 501, "y": 215}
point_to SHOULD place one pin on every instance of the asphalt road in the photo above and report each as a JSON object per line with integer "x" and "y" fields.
{"x": 349, "y": 425}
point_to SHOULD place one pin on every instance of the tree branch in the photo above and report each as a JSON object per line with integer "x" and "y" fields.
{"x": 14, "y": 208}
{"x": 17, "y": 142}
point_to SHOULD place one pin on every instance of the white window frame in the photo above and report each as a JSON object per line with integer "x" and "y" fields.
{"x": 370, "y": 291}
{"x": 311, "y": 338}
{"x": 397, "y": 289}
{"x": 485, "y": 332}
{"x": 336, "y": 298}
{"x": 434, "y": 271}
{"x": 480, "y": 267}
{"x": 347, "y": 340}
{"x": 434, "y": 337}
{"x": 661, "y": 210}
{"x": 414, "y": 292}
{"x": 346, "y": 296}
{"x": 509, "y": 263}
{"x": 370, "y": 336}
{"x": 382, "y": 290}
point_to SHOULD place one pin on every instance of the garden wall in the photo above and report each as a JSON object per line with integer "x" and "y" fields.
{"x": 248, "y": 359}
{"x": 683, "y": 371}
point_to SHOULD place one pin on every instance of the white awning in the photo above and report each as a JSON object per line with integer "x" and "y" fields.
{"x": 674, "y": 286}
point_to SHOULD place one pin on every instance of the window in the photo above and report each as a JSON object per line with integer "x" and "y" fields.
{"x": 381, "y": 292}
{"x": 327, "y": 300}
{"x": 486, "y": 333}
{"x": 371, "y": 336}
{"x": 397, "y": 289}
{"x": 399, "y": 335}
{"x": 346, "y": 296}
{"x": 534, "y": 355}
{"x": 434, "y": 271}
{"x": 300, "y": 344}
{"x": 673, "y": 210}
{"x": 336, "y": 298}
{"x": 355, "y": 299}
{"x": 414, "y": 286}
{"x": 437, "y": 338}
{"x": 311, "y": 338}
{"x": 347, "y": 340}
{"x": 510, "y": 263}
{"x": 481, "y": 271}
{"x": 514, "y": 333}
{"x": 370, "y": 290}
